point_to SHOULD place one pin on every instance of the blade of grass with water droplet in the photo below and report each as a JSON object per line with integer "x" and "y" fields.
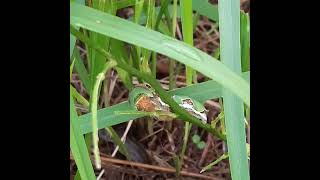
{"x": 123, "y": 30}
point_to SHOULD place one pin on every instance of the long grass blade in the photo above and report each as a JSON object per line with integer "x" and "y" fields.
{"x": 245, "y": 41}
{"x": 118, "y": 28}
{"x": 108, "y": 117}
{"x": 209, "y": 166}
{"x": 229, "y": 24}
{"x": 78, "y": 97}
{"x": 78, "y": 146}
{"x": 187, "y": 33}
{"x": 82, "y": 71}
{"x": 115, "y": 137}
{"x": 204, "y": 8}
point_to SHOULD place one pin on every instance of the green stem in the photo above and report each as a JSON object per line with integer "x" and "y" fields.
{"x": 187, "y": 32}
{"x": 224, "y": 156}
{"x": 106, "y": 92}
{"x": 173, "y": 32}
{"x": 171, "y": 74}
{"x": 78, "y": 97}
{"x": 154, "y": 64}
{"x": 99, "y": 79}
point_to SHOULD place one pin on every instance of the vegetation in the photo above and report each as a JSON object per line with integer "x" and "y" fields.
{"x": 113, "y": 48}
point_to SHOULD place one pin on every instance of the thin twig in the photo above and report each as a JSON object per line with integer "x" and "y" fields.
{"x": 123, "y": 138}
{"x": 146, "y": 137}
{"x": 179, "y": 32}
{"x": 117, "y": 99}
{"x": 100, "y": 175}
{"x": 105, "y": 161}
{"x": 206, "y": 150}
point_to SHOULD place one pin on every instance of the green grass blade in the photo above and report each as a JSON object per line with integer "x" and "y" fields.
{"x": 172, "y": 81}
{"x": 124, "y": 3}
{"x": 82, "y": 71}
{"x": 187, "y": 33}
{"x": 138, "y": 10}
{"x": 164, "y": 6}
{"x": 196, "y": 19}
{"x": 72, "y": 38}
{"x": 78, "y": 97}
{"x": 229, "y": 24}
{"x": 123, "y": 30}
{"x": 78, "y": 146}
{"x": 71, "y": 68}
{"x": 150, "y": 24}
{"x": 244, "y": 37}
{"x": 115, "y": 137}
{"x": 224, "y": 156}
{"x": 107, "y": 117}
{"x": 118, "y": 50}
{"x": 164, "y": 29}
{"x": 204, "y": 8}
{"x": 97, "y": 60}
{"x": 72, "y": 44}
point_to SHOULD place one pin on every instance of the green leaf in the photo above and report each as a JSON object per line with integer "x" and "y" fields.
{"x": 187, "y": 33}
{"x": 78, "y": 146}
{"x": 204, "y": 8}
{"x": 115, "y": 137}
{"x": 107, "y": 117}
{"x": 196, "y": 138}
{"x": 118, "y": 50}
{"x": 123, "y": 30}
{"x": 78, "y": 97}
{"x": 229, "y": 25}
{"x": 72, "y": 38}
{"x": 201, "y": 145}
{"x": 164, "y": 6}
{"x": 244, "y": 37}
{"x": 124, "y": 3}
{"x": 82, "y": 71}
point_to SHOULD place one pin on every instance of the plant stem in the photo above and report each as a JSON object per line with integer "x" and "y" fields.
{"x": 187, "y": 32}
{"x": 154, "y": 64}
{"x": 99, "y": 79}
